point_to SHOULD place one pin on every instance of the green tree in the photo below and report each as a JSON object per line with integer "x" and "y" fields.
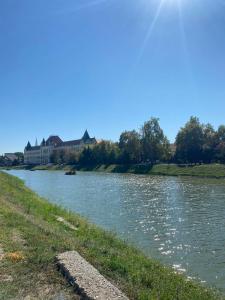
{"x": 189, "y": 142}
{"x": 166, "y": 151}
{"x": 71, "y": 157}
{"x": 130, "y": 146}
{"x": 114, "y": 153}
{"x": 155, "y": 145}
{"x": 220, "y": 152}
{"x": 220, "y": 147}
{"x": 86, "y": 157}
{"x": 209, "y": 143}
{"x": 100, "y": 152}
{"x": 221, "y": 133}
{"x": 105, "y": 152}
{"x": 20, "y": 156}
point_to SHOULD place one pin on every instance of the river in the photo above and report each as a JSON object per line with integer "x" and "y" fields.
{"x": 179, "y": 221}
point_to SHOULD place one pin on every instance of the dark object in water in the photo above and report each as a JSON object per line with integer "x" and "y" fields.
{"x": 70, "y": 172}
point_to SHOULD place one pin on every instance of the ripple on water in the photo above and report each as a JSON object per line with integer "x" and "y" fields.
{"x": 179, "y": 221}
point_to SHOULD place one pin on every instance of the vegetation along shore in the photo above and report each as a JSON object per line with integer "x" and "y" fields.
{"x": 210, "y": 171}
{"x": 203, "y": 170}
{"x": 31, "y": 237}
{"x": 195, "y": 143}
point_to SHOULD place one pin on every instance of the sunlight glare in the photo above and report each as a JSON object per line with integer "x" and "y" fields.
{"x": 151, "y": 28}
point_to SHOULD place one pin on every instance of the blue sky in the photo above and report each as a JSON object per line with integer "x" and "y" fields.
{"x": 108, "y": 66}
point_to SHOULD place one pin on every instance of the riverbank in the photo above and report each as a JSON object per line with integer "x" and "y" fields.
{"x": 204, "y": 170}
{"x": 49, "y": 167}
{"x": 31, "y": 237}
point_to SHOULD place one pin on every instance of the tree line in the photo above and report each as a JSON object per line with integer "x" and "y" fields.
{"x": 194, "y": 143}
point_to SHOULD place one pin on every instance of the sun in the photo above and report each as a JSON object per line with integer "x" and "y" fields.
{"x": 159, "y": 6}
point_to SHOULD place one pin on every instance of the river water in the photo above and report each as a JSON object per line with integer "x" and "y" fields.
{"x": 179, "y": 221}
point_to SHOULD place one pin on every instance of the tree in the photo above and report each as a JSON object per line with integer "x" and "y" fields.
{"x": 155, "y": 145}
{"x": 209, "y": 143}
{"x": 114, "y": 153}
{"x": 86, "y": 157}
{"x": 105, "y": 152}
{"x": 71, "y": 157}
{"x": 130, "y": 146}
{"x": 166, "y": 151}
{"x": 100, "y": 152}
{"x": 189, "y": 142}
{"x": 20, "y": 156}
{"x": 220, "y": 144}
{"x": 221, "y": 133}
{"x": 220, "y": 152}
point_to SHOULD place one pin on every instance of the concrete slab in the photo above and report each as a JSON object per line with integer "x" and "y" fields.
{"x": 87, "y": 280}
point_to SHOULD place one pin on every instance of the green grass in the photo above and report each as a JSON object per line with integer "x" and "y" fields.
{"x": 28, "y": 224}
{"x": 205, "y": 170}
{"x": 52, "y": 167}
{"x": 18, "y": 167}
{"x": 38, "y": 167}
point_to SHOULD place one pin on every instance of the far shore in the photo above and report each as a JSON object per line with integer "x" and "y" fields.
{"x": 200, "y": 170}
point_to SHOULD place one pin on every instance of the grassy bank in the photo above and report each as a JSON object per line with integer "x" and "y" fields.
{"x": 31, "y": 237}
{"x": 206, "y": 170}
{"x": 38, "y": 167}
{"x": 52, "y": 167}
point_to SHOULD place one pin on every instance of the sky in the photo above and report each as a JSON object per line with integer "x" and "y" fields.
{"x": 108, "y": 66}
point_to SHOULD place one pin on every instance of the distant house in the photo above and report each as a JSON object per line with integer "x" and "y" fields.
{"x": 10, "y": 158}
{"x": 40, "y": 154}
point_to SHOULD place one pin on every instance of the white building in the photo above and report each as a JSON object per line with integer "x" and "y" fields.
{"x": 38, "y": 155}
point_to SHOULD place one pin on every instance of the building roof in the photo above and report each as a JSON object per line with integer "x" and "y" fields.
{"x": 77, "y": 142}
{"x": 28, "y": 146}
{"x": 35, "y": 148}
{"x": 53, "y": 140}
{"x": 11, "y": 156}
{"x": 86, "y": 136}
{"x": 43, "y": 143}
{"x": 71, "y": 143}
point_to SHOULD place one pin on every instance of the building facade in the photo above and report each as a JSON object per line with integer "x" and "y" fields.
{"x": 41, "y": 154}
